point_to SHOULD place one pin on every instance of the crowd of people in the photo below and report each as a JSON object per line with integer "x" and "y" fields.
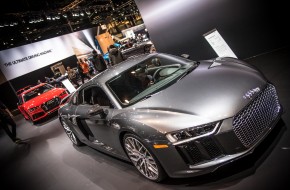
{"x": 86, "y": 67}
{"x": 6, "y": 120}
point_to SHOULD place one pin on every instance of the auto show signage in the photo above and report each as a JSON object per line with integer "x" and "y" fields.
{"x": 219, "y": 45}
{"x": 18, "y": 61}
{"x": 24, "y": 59}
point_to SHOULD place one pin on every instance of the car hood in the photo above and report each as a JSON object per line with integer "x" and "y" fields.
{"x": 205, "y": 95}
{"x": 37, "y": 101}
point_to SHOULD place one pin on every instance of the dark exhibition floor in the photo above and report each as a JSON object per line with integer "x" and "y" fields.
{"x": 48, "y": 161}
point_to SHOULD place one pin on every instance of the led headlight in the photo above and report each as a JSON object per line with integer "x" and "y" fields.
{"x": 32, "y": 109}
{"x": 192, "y": 133}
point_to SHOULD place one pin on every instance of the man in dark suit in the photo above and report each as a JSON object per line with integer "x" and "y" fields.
{"x": 5, "y": 120}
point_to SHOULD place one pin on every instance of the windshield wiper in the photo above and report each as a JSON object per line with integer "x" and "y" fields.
{"x": 188, "y": 71}
{"x": 145, "y": 97}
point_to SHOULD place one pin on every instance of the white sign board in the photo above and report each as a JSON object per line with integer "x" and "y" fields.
{"x": 219, "y": 45}
{"x": 68, "y": 85}
{"x": 24, "y": 59}
{"x": 130, "y": 34}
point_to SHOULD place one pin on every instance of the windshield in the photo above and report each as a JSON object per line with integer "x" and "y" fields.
{"x": 148, "y": 77}
{"x": 36, "y": 92}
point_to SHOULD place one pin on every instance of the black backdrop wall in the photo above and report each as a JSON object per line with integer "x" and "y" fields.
{"x": 250, "y": 27}
{"x": 8, "y": 94}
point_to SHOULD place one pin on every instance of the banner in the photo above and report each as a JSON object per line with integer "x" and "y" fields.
{"x": 21, "y": 60}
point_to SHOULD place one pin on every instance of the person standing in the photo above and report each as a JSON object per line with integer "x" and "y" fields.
{"x": 115, "y": 55}
{"x": 72, "y": 76}
{"x": 99, "y": 62}
{"x": 5, "y": 120}
{"x": 83, "y": 69}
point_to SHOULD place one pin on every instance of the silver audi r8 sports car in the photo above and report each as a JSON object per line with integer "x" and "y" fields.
{"x": 172, "y": 116}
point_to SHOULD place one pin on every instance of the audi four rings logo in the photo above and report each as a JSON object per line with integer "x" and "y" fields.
{"x": 250, "y": 93}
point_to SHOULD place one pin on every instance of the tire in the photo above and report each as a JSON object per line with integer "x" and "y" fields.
{"x": 142, "y": 158}
{"x": 74, "y": 139}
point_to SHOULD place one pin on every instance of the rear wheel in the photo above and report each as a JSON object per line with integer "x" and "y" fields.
{"x": 145, "y": 162}
{"x": 70, "y": 133}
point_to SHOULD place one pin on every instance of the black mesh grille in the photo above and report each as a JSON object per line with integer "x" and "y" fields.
{"x": 37, "y": 115}
{"x": 51, "y": 104}
{"x": 211, "y": 148}
{"x": 251, "y": 122}
{"x": 199, "y": 151}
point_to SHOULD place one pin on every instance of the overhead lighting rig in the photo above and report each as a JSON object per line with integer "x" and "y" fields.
{"x": 77, "y": 15}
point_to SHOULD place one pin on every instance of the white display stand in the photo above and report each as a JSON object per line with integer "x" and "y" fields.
{"x": 219, "y": 45}
{"x": 68, "y": 85}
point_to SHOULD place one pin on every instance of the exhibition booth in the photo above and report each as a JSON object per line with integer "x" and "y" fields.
{"x": 215, "y": 122}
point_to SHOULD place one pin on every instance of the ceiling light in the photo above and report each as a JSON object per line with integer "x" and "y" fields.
{"x": 88, "y": 11}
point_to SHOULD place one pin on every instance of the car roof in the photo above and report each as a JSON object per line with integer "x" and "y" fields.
{"x": 119, "y": 68}
{"x": 21, "y": 90}
{"x": 32, "y": 88}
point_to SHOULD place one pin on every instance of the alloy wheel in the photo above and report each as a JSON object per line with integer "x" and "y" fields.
{"x": 141, "y": 158}
{"x": 69, "y": 132}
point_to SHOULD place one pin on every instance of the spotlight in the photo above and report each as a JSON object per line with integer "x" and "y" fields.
{"x": 88, "y": 11}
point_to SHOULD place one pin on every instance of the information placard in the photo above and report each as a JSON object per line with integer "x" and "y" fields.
{"x": 219, "y": 45}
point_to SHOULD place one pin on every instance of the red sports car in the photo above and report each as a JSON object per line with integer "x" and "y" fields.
{"x": 39, "y": 101}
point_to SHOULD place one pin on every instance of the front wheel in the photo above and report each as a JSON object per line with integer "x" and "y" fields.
{"x": 70, "y": 133}
{"x": 145, "y": 162}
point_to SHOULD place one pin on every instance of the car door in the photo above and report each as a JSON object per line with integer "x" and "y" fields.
{"x": 74, "y": 118}
{"x": 95, "y": 110}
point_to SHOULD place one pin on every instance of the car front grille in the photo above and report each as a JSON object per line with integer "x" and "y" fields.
{"x": 37, "y": 115}
{"x": 203, "y": 150}
{"x": 251, "y": 122}
{"x": 51, "y": 104}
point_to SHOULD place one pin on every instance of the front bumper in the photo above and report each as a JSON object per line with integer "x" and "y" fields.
{"x": 177, "y": 166}
{"x": 235, "y": 138}
{"x": 46, "y": 108}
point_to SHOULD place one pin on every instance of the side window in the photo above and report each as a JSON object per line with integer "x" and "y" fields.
{"x": 94, "y": 95}
{"x": 87, "y": 96}
{"x": 100, "y": 97}
{"x": 20, "y": 100}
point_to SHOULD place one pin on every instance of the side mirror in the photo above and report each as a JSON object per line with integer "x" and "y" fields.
{"x": 186, "y": 56}
{"x": 96, "y": 110}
